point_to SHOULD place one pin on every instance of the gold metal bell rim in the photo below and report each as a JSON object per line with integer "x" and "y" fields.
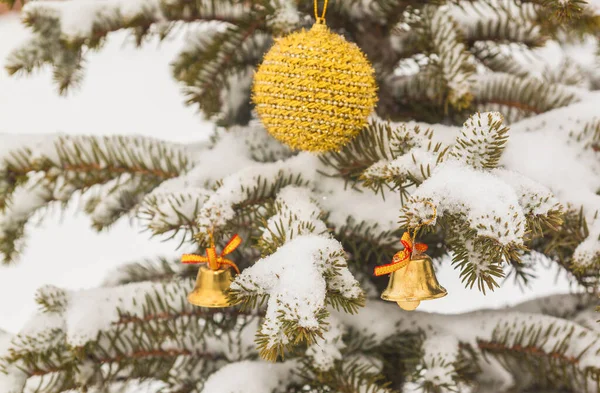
{"x": 211, "y": 288}
{"x": 414, "y": 283}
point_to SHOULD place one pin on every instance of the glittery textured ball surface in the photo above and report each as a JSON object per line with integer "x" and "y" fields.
{"x": 314, "y": 90}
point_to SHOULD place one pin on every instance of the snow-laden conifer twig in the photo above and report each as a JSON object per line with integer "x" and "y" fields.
{"x": 517, "y": 98}
{"x": 144, "y": 326}
{"x": 298, "y": 277}
{"x": 54, "y": 169}
{"x": 498, "y": 334}
{"x": 449, "y": 70}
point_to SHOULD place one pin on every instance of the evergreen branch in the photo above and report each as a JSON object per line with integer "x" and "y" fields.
{"x": 560, "y": 242}
{"x": 173, "y": 212}
{"x": 118, "y": 197}
{"x": 347, "y": 376}
{"x": 384, "y": 155}
{"x": 155, "y": 270}
{"x": 33, "y": 178}
{"x": 146, "y": 337}
{"x": 61, "y": 41}
{"x": 208, "y": 65}
{"x": 478, "y": 258}
{"x": 481, "y": 141}
{"x": 518, "y": 97}
{"x": 500, "y": 22}
{"x": 498, "y": 60}
{"x": 379, "y": 140}
{"x": 296, "y": 315}
{"x": 549, "y": 355}
{"x": 449, "y": 69}
{"x": 588, "y": 137}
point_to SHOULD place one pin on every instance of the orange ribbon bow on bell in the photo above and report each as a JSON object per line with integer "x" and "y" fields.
{"x": 401, "y": 258}
{"x": 211, "y": 258}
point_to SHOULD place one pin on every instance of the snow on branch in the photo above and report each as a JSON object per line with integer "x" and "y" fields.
{"x": 252, "y": 377}
{"x": 259, "y": 184}
{"x": 297, "y": 214}
{"x": 481, "y": 140}
{"x": 146, "y": 329}
{"x": 449, "y": 70}
{"x": 483, "y": 216}
{"x": 173, "y": 212}
{"x": 414, "y": 154}
{"x": 307, "y": 271}
{"x": 534, "y": 348}
{"x": 517, "y": 98}
{"x": 215, "y": 67}
{"x": 62, "y": 31}
{"x": 487, "y": 204}
{"x": 498, "y": 21}
{"x": 544, "y": 345}
{"x": 174, "y": 206}
{"x": 437, "y": 370}
{"x": 89, "y": 21}
{"x": 121, "y": 170}
{"x": 573, "y": 178}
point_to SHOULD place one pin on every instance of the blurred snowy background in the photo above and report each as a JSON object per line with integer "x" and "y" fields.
{"x": 128, "y": 90}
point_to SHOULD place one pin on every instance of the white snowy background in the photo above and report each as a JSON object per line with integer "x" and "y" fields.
{"x": 129, "y": 90}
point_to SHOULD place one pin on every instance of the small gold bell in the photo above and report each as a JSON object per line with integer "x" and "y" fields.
{"x": 412, "y": 283}
{"x": 213, "y": 280}
{"x": 211, "y": 287}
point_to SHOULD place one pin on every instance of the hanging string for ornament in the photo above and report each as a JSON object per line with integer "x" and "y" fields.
{"x": 402, "y": 258}
{"x": 320, "y": 19}
{"x": 214, "y": 261}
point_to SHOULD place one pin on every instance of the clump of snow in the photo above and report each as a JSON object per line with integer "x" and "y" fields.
{"x": 110, "y": 197}
{"x": 12, "y": 380}
{"x": 251, "y": 377}
{"x": 587, "y": 252}
{"x": 417, "y": 163}
{"x": 327, "y": 349}
{"x": 285, "y": 18}
{"x": 534, "y": 198}
{"x": 241, "y": 346}
{"x": 297, "y": 215}
{"x": 164, "y": 211}
{"x": 478, "y": 139}
{"x": 489, "y": 205}
{"x": 92, "y": 311}
{"x": 293, "y": 277}
{"x": 440, "y": 352}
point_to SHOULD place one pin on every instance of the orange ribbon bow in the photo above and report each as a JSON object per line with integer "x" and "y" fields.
{"x": 401, "y": 258}
{"x": 211, "y": 258}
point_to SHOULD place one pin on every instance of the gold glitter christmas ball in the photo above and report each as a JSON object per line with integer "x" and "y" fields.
{"x": 314, "y": 90}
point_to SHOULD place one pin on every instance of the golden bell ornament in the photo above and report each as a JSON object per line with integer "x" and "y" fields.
{"x": 211, "y": 288}
{"x": 415, "y": 282}
{"x": 214, "y": 279}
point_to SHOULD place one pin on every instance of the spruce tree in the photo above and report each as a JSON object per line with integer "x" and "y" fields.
{"x": 491, "y": 152}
